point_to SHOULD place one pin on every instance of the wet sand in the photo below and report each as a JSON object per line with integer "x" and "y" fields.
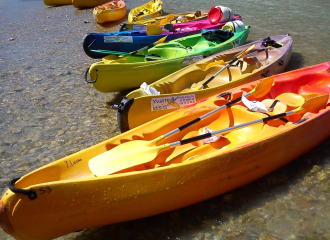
{"x": 48, "y": 112}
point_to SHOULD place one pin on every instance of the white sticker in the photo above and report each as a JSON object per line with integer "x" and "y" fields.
{"x": 109, "y": 39}
{"x": 139, "y": 27}
{"x": 112, "y": 10}
{"x": 192, "y": 59}
{"x": 164, "y": 103}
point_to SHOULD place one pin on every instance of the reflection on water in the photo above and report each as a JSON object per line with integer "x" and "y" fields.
{"x": 48, "y": 112}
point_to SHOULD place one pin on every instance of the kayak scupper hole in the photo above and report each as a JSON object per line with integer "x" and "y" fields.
{"x": 110, "y": 146}
{"x": 135, "y": 137}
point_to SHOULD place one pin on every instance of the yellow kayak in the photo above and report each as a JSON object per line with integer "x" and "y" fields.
{"x": 66, "y": 196}
{"x": 163, "y": 20}
{"x": 110, "y": 11}
{"x": 138, "y": 107}
{"x": 152, "y": 9}
{"x": 115, "y": 73}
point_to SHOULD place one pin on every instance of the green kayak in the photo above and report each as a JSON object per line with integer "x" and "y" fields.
{"x": 116, "y": 73}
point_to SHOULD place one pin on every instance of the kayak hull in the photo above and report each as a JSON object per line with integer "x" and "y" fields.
{"x": 108, "y": 13}
{"x": 70, "y": 198}
{"x": 129, "y": 41}
{"x": 138, "y": 108}
{"x": 117, "y": 74}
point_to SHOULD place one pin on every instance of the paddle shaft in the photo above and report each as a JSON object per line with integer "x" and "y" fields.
{"x": 228, "y": 65}
{"x": 207, "y": 135}
{"x": 204, "y": 116}
{"x": 146, "y": 47}
{"x": 125, "y": 54}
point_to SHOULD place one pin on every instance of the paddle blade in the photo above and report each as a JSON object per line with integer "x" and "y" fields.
{"x": 239, "y": 55}
{"x": 163, "y": 22}
{"x": 124, "y": 156}
{"x": 313, "y": 105}
{"x": 246, "y": 51}
{"x": 220, "y": 62}
{"x": 170, "y": 17}
{"x": 161, "y": 40}
{"x": 154, "y": 30}
{"x": 263, "y": 87}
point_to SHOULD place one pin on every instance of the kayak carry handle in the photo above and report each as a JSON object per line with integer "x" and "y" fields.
{"x": 266, "y": 74}
{"x": 118, "y": 103}
{"x": 90, "y": 81}
{"x": 30, "y": 193}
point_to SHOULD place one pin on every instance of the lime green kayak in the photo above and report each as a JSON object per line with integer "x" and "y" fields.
{"x": 115, "y": 73}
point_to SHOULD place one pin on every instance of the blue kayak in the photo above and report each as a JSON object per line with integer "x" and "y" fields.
{"x": 129, "y": 41}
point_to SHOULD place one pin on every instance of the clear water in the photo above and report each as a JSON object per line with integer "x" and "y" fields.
{"x": 47, "y": 112}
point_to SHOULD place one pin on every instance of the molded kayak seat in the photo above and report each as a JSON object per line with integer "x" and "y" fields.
{"x": 248, "y": 65}
{"x": 292, "y": 100}
{"x": 170, "y": 44}
{"x": 204, "y": 44}
{"x": 170, "y": 52}
{"x": 217, "y": 34}
{"x": 237, "y": 115}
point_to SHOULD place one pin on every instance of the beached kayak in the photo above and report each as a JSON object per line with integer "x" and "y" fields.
{"x": 88, "y": 3}
{"x": 111, "y": 11}
{"x": 115, "y": 73}
{"x": 138, "y": 107}
{"x": 129, "y": 41}
{"x": 57, "y": 2}
{"x": 162, "y": 20}
{"x": 151, "y": 9}
{"x": 66, "y": 196}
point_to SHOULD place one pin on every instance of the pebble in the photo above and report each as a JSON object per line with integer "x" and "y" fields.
{"x": 322, "y": 176}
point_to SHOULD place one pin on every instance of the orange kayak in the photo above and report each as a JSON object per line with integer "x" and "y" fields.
{"x": 88, "y": 3}
{"x": 66, "y": 196}
{"x": 111, "y": 11}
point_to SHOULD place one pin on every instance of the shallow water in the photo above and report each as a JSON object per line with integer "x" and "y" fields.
{"x": 47, "y": 112}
